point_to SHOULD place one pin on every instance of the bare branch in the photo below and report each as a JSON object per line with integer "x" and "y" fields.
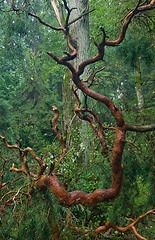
{"x": 13, "y": 6}
{"x": 81, "y": 15}
{"x": 81, "y": 113}
{"x": 130, "y": 227}
{"x": 7, "y": 145}
{"x": 127, "y": 21}
{"x": 46, "y": 24}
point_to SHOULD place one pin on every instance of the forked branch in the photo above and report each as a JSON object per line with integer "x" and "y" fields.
{"x": 130, "y": 227}
{"x": 82, "y": 114}
{"x": 109, "y": 226}
{"x": 23, "y": 159}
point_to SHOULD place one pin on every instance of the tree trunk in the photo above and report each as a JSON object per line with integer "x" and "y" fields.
{"x": 80, "y": 30}
{"x": 139, "y": 88}
{"x": 80, "y": 36}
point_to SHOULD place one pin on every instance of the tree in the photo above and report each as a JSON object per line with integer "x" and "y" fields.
{"x": 51, "y": 181}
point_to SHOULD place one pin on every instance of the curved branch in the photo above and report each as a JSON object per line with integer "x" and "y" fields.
{"x": 57, "y": 132}
{"x": 127, "y": 20}
{"x": 23, "y": 169}
{"x": 101, "y": 98}
{"x": 92, "y": 76}
{"x": 31, "y": 151}
{"x": 13, "y": 6}
{"x": 137, "y": 234}
{"x": 7, "y": 145}
{"x": 121, "y": 37}
{"x": 81, "y": 113}
{"x": 130, "y": 227}
{"x": 23, "y": 163}
{"x": 68, "y": 199}
{"x": 46, "y": 24}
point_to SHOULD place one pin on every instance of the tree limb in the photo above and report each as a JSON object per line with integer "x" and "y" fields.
{"x": 81, "y": 113}
{"x": 130, "y": 227}
{"x": 145, "y": 128}
{"x": 57, "y": 132}
{"x": 46, "y": 24}
{"x": 81, "y": 15}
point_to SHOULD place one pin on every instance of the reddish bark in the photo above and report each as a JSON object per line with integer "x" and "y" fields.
{"x": 65, "y": 198}
{"x": 81, "y": 113}
{"x": 68, "y": 199}
{"x": 130, "y": 227}
{"x": 57, "y": 132}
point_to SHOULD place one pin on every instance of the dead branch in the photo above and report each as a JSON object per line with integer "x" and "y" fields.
{"x": 56, "y": 12}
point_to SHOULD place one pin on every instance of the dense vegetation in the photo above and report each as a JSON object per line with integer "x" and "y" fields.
{"x": 31, "y": 83}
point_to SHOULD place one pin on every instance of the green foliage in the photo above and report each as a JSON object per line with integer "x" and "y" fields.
{"x": 28, "y": 220}
{"x": 135, "y": 47}
{"x": 30, "y": 84}
{"x": 5, "y": 115}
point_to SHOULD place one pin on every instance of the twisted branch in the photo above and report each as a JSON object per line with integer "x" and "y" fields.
{"x": 81, "y": 113}
{"x": 23, "y": 160}
{"x": 58, "y": 134}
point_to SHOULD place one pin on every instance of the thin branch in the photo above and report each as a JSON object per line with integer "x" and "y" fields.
{"x": 137, "y": 234}
{"x": 10, "y": 182}
{"x": 93, "y": 75}
{"x": 57, "y": 132}
{"x": 46, "y": 24}
{"x": 23, "y": 159}
{"x": 127, "y": 21}
{"x": 81, "y": 15}
{"x": 13, "y": 6}
{"x": 7, "y": 145}
{"x": 145, "y": 128}
{"x": 130, "y": 227}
